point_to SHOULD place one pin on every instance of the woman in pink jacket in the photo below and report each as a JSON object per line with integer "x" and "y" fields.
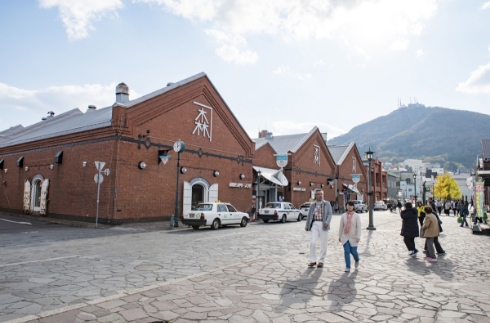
{"x": 350, "y": 234}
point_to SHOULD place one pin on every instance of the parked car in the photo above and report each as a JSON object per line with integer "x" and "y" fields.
{"x": 304, "y": 209}
{"x": 380, "y": 205}
{"x": 360, "y": 206}
{"x": 215, "y": 215}
{"x": 279, "y": 211}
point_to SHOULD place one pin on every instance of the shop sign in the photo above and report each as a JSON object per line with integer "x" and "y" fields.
{"x": 479, "y": 198}
{"x": 301, "y": 189}
{"x": 240, "y": 185}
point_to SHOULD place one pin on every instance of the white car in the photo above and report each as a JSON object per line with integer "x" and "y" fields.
{"x": 279, "y": 211}
{"x": 215, "y": 215}
{"x": 304, "y": 209}
{"x": 360, "y": 206}
{"x": 380, "y": 205}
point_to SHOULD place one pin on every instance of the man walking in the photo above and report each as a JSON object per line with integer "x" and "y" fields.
{"x": 318, "y": 223}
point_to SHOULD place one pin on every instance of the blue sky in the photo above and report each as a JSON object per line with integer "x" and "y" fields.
{"x": 282, "y": 65}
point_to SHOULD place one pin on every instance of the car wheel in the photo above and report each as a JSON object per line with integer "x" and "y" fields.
{"x": 299, "y": 217}
{"x": 195, "y": 227}
{"x": 244, "y": 222}
{"x": 283, "y": 219}
{"x": 266, "y": 221}
{"x": 215, "y": 224}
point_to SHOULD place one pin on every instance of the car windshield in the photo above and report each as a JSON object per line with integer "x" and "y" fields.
{"x": 204, "y": 207}
{"x": 273, "y": 206}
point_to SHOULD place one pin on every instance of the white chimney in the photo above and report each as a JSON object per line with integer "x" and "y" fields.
{"x": 122, "y": 93}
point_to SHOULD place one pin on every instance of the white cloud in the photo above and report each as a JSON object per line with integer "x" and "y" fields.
{"x": 287, "y": 127}
{"x": 478, "y": 82}
{"x": 419, "y": 52}
{"x": 370, "y": 24}
{"x": 286, "y": 71}
{"x": 486, "y": 5}
{"x": 320, "y": 62}
{"x": 401, "y": 44}
{"x": 281, "y": 69}
{"x": 77, "y": 16}
{"x": 230, "y": 53}
{"x": 34, "y": 104}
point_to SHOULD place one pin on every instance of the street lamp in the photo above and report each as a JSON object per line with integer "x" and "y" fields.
{"x": 258, "y": 191}
{"x": 369, "y": 155}
{"x": 179, "y": 146}
{"x": 415, "y": 188}
{"x": 407, "y": 180}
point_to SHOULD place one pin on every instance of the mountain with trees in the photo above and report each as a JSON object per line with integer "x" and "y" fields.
{"x": 449, "y": 137}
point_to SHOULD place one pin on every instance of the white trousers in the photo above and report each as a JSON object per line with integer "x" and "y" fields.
{"x": 317, "y": 233}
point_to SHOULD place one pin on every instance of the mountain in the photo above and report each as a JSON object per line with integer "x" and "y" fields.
{"x": 450, "y": 137}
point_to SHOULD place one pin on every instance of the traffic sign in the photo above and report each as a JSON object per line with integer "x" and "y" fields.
{"x": 98, "y": 178}
{"x": 99, "y": 165}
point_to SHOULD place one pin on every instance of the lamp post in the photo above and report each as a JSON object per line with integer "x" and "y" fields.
{"x": 407, "y": 180}
{"x": 424, "y": 201}
{"x": 179, "y": 146}
{"x": 415, "y": 188}
{"x": 369, "y": 155}
{"x": 258, "y": 191}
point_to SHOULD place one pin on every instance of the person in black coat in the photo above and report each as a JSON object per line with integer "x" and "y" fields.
{"x": 410, "y": 227}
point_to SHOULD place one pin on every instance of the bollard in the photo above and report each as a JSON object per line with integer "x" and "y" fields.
{"x": 171, "y": 222}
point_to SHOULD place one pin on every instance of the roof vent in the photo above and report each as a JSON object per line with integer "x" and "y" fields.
{"x": 122, "y": 93}
{"x": 92, "y": 107}
{"x": 50, "y": 113}
{"x": 170, "y": 83}
{"x": 269, "y": 135}
{"x": 324, "y": 136}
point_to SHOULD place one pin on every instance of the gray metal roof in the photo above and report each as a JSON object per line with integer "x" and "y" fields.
{"x": 340, "y": 153}
{"x": 74, "y": 121}
{"x": 485, "y": 149}
{"x": 284, "y": 144}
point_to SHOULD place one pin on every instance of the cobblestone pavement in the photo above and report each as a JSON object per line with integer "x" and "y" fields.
{"x": 252, "y": 274}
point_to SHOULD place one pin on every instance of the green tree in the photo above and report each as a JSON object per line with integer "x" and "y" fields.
{"x": 446, "y": 187}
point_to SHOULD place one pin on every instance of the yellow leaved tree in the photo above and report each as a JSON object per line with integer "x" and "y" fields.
{"x": 446, "y": 188}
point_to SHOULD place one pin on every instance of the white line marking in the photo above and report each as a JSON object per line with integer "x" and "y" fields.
{"x": 41, "y": 260}
{"x": 16, "y": 222}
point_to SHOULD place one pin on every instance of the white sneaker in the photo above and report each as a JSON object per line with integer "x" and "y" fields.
{"x": 347, "y": 270}
{"x": 356, "y": 265}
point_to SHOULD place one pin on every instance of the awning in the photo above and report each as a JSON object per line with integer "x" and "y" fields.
{"x": 352, "y": 188}
{"x": 274, "y": 175}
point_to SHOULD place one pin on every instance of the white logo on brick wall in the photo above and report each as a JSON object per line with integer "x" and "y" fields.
{"x": 204, "y": 121}
{"x": 316, "y": 157}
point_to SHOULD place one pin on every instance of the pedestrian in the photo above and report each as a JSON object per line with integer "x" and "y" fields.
{"x": 399, "y": 206}
{"x": 254, "y": 208}
{"x": 410, "y": 228}
{"x": 438, "y": 246}
{"x": 350, "y": 234}
{"x": 420, "y": 212}
{"x": 453, "y": 206}
{"x": 431, "y": 203}
{"x": 336, "y": 207}
{"x": 447, "y": 207}
{"x": 463, "y": 213}
{"x": 439, "y": 206}
{"x": 456, "y": 205}
{"x": 431, "y": 231}
{"x": 318, "y": 223}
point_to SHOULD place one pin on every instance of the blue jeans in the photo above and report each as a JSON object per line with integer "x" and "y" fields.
{"x": 348, "y": 250}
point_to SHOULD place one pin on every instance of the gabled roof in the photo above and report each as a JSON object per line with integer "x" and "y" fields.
{"x": 485, "y": 149}
{"x": 69, "y": 122}
{"x": 286, "y": 143}
{"x": 74, "y": 121}
{"x": 340, "y": 153}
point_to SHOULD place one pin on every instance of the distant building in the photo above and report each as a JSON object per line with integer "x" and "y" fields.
{"x": 392, "y": 188}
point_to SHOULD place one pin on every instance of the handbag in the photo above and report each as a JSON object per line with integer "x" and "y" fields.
{"x": 460, "y": 219}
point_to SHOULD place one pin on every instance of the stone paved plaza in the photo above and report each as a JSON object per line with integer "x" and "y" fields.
{"x": 147, "y": 273}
